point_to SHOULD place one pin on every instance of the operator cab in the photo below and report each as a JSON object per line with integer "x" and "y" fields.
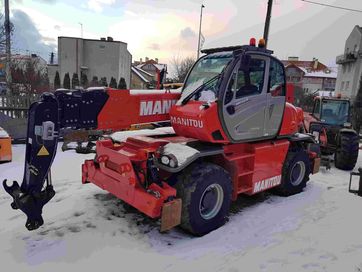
{"x": 332, "y": 111}
{"x": 248, "y": 86}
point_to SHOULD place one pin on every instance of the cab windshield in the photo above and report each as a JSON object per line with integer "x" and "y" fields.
{"x": 335, "y": 112}
{"x": 206, "y": 69}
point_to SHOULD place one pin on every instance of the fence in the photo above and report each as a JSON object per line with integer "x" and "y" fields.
{"x": 16, "y": 106}
{"x": 14, "y": 113}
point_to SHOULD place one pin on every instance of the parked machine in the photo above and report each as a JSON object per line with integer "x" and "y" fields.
{"x": 5, "y": 146}
{"x": 330, "y": 123}
{"x": 234, "y": 134}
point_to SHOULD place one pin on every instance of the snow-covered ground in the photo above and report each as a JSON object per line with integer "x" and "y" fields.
{"x": 87, "y": 229}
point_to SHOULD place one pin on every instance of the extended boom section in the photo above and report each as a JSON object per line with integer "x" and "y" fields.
{"x": 96, "y": 108}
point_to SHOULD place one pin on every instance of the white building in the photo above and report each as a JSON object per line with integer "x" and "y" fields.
{"x": 101, "y": 58}
{"x": 350, "y": 64}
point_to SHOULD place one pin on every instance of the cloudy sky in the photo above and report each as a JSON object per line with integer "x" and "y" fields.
{"x": 167, "y": 28}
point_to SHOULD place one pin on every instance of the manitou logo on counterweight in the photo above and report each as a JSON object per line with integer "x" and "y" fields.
{"x": 156, "y": 107}
{"x": 267, "y": 183}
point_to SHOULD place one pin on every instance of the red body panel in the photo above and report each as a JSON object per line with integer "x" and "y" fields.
{"x": 292, "y": 120}
{"x": 252, "y": 163}
{"x": 5, "y": 149}
{"x": 290, "y": 93}
{"x": 127, "y": 107}
{"x": 254, "y": 167}
{"x": 195, "y": 121}
{"x": 115, "y": 173}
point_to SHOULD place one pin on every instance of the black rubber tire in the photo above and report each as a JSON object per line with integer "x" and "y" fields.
{"x": 191, "y": 184}
{"x": 287, "y": 188}
{"x": 345, "y": 157}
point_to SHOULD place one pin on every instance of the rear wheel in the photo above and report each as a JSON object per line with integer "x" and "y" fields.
{"x": 205, "y": 190}
{"x": 346, "y": 155}
{"x": 295, "y": 173}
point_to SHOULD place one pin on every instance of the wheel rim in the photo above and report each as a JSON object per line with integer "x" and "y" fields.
{"x": 211, "y": 201}
{"x": 297, "y": 173}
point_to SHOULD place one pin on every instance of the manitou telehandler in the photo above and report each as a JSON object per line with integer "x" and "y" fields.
{"x": 330, "y": 123}
{"x": 234, "y": 134}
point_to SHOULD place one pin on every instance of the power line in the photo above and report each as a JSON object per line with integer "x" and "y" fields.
{"x": 331, "y": 6}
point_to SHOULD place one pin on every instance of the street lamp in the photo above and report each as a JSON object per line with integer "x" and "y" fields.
{"x": 198, "y": 45}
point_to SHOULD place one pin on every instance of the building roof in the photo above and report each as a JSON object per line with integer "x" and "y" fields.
{"x": 95, "y": 40}
{"x": 159, "y": 66}
{"x": 138, "y": 73}
{"x": 328, "y": 72}
{"x": 305, "y": 64}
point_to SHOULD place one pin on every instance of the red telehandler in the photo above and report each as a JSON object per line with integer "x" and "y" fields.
{"x": 234, "y": 134}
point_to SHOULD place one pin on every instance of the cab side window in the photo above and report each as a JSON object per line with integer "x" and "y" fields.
{"x": 251, "y": 81}
{"x": 277, "y": 86}
{"x": 247, "y": 81}
{"x": 316, "y": 109}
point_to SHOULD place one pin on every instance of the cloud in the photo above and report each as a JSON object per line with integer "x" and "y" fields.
{"x": 187, "y": 33}
{"x": 98, "y": 5}
{"x": 154, "y": 46}
{"x": 47, "y": 1}
{"x": 29, "y": 40}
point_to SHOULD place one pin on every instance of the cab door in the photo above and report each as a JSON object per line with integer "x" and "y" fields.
{"x": 245, "y": 99}
{"x": 275, "y": 98}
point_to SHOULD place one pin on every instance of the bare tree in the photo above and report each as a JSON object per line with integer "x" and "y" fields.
{"x": 181, "y": 66}
{"x": 30, "y": 75}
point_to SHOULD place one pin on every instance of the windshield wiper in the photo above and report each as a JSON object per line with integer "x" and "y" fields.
{"x": 187, "y": 98}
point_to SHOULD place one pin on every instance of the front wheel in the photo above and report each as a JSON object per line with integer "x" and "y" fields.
{"x": 205, "y": 190}
{"x": 295, "y": 174}
{"x": 345, "y": 157}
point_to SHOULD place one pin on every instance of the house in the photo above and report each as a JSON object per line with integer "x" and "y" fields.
{"x": 152, "y": 67}
{"x": 350, "y": 64}
{"x": 100, "y": 58}
{"x": 310, "y": 76}
{"x": 141, "y": 79}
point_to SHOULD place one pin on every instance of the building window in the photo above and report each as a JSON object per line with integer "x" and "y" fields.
{"x": 347, "y": 85}
{"x": 342, "y": 86}
{"x": 344, "y": 68}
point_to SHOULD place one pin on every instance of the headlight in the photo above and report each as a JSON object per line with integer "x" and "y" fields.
{"x": 165, "y": 160}
{"x": 173, "y": 163}
{"x": 169, "y": 160}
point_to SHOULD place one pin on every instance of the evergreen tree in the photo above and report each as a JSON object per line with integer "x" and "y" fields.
{"x": 57, "y": 81}
{"x": 94, "y": 82}
{"x": 66, "y": 81}
{"x": 113, "y": 83}
{"x": 103, "y": 82}
{"x": 122, "y": 85}
{"x": 84, "y": 80}
{"x": 75, "y": 81}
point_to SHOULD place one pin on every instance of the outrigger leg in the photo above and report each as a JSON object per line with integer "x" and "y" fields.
{"x": 41, "y": 146}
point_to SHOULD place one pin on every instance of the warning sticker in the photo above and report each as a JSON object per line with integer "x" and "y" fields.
{"x": 43, "y": 151}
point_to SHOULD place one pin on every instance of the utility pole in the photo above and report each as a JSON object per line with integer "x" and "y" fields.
{"x": 267, "y": 22}
{"x": 198, "y": 44}
{"x": 81, "y": 30}
{"x": 7, "y": 46}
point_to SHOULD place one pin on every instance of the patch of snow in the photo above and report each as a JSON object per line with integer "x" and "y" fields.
{"x": 182, "y": 152}
{"x": 86, "y": 228}
{"x": 3, "y": 133}
{"x": 189, "y": 89}
{"x": 136, "y": 92}
{"x": 207, "y": 96}
{"x": 135, "y": 70}
{"x": 123, "y": 135}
